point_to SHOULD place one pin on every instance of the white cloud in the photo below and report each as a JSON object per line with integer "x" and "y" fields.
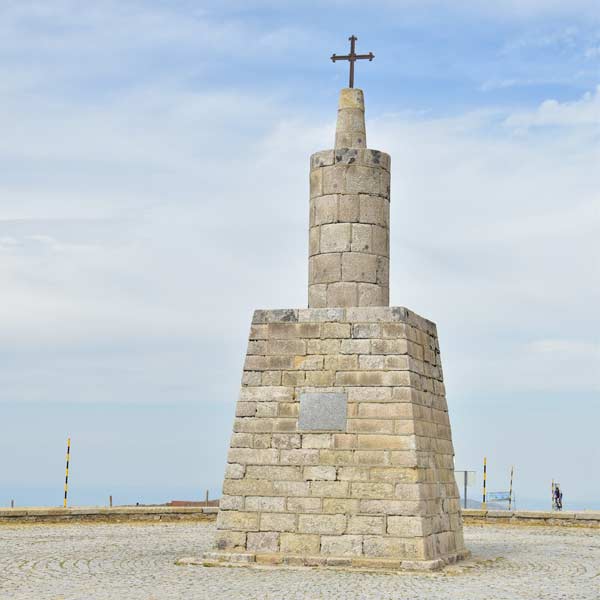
{"x": 585, "y": 111}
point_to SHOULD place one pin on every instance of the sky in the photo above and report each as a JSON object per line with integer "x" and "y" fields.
{"x": 154, "y": 192}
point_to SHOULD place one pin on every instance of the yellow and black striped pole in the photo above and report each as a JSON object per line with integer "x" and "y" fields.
{"x": 484, "y": 481}
{"x": 67, "y": 472}
{"x": 510, "y": 495}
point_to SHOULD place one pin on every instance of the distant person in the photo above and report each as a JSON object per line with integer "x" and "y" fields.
{"x": 557, "y": 498}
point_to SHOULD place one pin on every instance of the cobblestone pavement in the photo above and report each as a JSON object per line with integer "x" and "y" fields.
{"x": 136, "y": 561}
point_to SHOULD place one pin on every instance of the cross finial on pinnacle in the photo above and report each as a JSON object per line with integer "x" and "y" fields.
{"x": 352, "y": 58}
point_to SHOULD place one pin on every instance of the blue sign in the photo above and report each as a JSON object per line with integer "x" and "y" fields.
{"x": 499, "y": 496}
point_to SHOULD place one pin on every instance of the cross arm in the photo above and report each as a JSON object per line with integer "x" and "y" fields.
{"x": 335, "y": 57}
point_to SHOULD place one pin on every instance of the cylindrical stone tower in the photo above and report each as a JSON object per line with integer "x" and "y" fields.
{"x": 349, "y": 244}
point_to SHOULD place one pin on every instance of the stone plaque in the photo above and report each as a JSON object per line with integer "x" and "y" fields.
{"x": 323, "y": 411}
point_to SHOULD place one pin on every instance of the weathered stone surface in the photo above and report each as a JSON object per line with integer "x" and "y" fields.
{"x": 322, "y": 411}
{"x": 342, "y": 446}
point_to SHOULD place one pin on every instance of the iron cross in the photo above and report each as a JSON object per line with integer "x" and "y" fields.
{"x": 352, "y": 58}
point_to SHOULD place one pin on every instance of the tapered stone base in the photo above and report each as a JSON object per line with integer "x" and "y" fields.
{"x": 341, "y": 453}
{"x": 246, "y": 559}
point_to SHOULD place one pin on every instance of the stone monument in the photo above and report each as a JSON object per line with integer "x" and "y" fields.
{"x": 341, "y": 453}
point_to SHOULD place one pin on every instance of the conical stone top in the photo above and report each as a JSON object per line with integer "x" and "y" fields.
{"x": 349, "y": 216}
{"x": 350, "y": 131}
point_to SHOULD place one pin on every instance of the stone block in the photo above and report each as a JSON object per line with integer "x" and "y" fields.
{"x": 321, "y": 315}
{"x": 408, "y": 526}
{"x": 370, "y": 426}
{"x": 362, "y": 180}
{"x": 373, "y": 209}
{"x": 320, "y": 378}
{"x": 397, "y": 346}
{"x": 257, "y": 347}
{"x": 341, "y": 545}
{"x": 323, "y": 473}
{"x": 359, "y": 267}
{"x": 335, "y": 330}
{"x": 366, "y": 330}
{"x": 263, "y": 542}
{"x": 355, "y": 347}
{"x": 316, "y": 440}
{"x": 362, "y": 238}
{"x": 336, "y": 237}
{"x": 326, "y": 209}
{"x": 409, "y": 491}
{"x": 325, "y": 268}
{"x": 283, "y": 315}
{"x": 249, "y": 425}
{"x": 365, "y": 524}
{"x": 371, "y": 457}
{"x": 397, "y": 362}
{"x": 353, "y": 473}
{"x": 274, "y": 473}
{"x": 383, "y": 546}
{"x": 291, "y": 488}
{"x": 251, "y": 456}
{"x": 345, "y": 506}
{"x": 288, "y": 409}
{"x": 329, "y": 346}
{"x": 282, "y": 331}
{"x": 386, "y": 442}
{"x": 267, "y": 394}
{"x": 317, "y": 295}
{"x": 293, "y": 378}
{"x": 342, "y": 293}
{"x": 371, "y": 294}
{"x": 245, "y": 487}
{"x": 277, "y": 522}
{"x": 372, "y": 378}
{"x": 230, "y": 540}
{"x": 371, "y": 490}
{"x": 286, "y": 347}
{"x": 304, "y": 505}
{"x": 322, "y": 524}
{"x": 241, "y": 440}
{"x": 287, "y": 441}
{"x": 252, "y": 378}
{"x": 384, "y": 410}
{"x": 308, "y": 363}
{"x": 237, "y": 520}
{"x": 370, "y": 363}
{"x": 297, "y": 543}
{"x": 380, "y": 243}
{"x": 245, "y": 409}
{"x": 323, "y": 158}
{"x": 234, "y": 471}
{"x": 333, "y": 179}
{"x": 348, "y": 209}
{"x": 231, "y": 502}
{"x": 271, "y": 378}
{"x": 265, "y": 504}
{"x": 336, "y": 457}
{"x": 300, "y": 457}
{"x": 395, "y": 474}
{"x": 258, "y": 332}
{"x": 341, "y": 362}
{"x": 266, "y": 409}
{"x": 261, "y": 440}
{"x": 329, "y": 489}
{"x": 369, "y": 394}
{"x": 316, "y": 182}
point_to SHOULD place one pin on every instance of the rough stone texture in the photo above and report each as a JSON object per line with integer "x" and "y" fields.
{"x": 75, "y": 561}
{"x": 341, "y": 447}
{"x": 322, "y": 411}
{"x": 349, "y": 216}
{"x": 378, "y": 484}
